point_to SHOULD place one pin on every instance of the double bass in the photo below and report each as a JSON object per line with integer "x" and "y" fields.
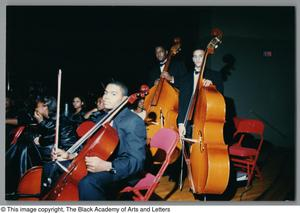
{"x": 161, "y": 105}
{"x": 208, "y": 164}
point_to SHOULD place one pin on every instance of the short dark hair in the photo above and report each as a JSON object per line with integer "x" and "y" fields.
{"x": 123, "y": 87}
{"x": 160, "y": 46}
{"x": 80, "y": 97}
{"x": 50, "y": 101}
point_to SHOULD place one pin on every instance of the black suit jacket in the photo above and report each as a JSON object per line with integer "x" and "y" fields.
{"x": 176, "y": 69}
{"x": 186, "y": 90}
{"x": 131, "y": 153}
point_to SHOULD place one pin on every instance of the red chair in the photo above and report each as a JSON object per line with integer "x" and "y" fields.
{"x": 166, "y": 140}
{"x": 245, "y": 158}
{"x": 16, "y": 134}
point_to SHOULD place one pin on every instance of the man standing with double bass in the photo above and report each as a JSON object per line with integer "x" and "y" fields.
{"x": 176, "y": 71}
{"x": 187, "y": 87}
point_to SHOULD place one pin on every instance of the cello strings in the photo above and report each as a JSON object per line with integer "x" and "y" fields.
{"x": 105, "y": 119}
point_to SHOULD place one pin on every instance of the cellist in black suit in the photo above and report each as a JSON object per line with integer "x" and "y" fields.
{"x": 127, "y": 163}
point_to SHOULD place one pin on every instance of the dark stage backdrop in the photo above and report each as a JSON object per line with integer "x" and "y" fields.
{"x": 92, "y": 45}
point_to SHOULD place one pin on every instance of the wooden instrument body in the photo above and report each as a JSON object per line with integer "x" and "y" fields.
{"x": 102, "y": 144}
{"x": 163, "y": 100}
{"x": 209, "y": 159}
{"x": 167, "y": 105}
{"x": 30, "y": 183}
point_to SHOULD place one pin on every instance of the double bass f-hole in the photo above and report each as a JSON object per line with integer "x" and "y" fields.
{"x": 200, "y": 139}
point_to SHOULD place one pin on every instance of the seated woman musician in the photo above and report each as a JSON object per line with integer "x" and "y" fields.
{"x": 45, "y": 114}
{"x": 127, "y": 163}
{"x": 78, "y": 115}
{"x": 36, "y": 142}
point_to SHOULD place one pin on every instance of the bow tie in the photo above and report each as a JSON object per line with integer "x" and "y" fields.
{"x": 196, "y": 72}
{"x": 161, "y": 64}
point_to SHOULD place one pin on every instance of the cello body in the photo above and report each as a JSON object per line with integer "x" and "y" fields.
{"x": 30, "y": 183}
{"x": 101, "y": 144}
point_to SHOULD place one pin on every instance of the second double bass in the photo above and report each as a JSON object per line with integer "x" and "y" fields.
{"x": 161, "y": 105}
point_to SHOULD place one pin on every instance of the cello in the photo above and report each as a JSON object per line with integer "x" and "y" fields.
{"x": 161, "y": 105}
{"x": 102, "y": 141}
{"x": 208, "y": 164}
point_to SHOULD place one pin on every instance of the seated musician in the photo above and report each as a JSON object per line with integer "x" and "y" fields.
{"x": 45, "y": 114}
{"x": 36, "y": 142}
{"x": 97, "y": 111}
{"x": 77, "y": 115}
{"x": 126, "y": 164}
{"x": 139, "y": 108}
{"x": 187, "y": 88}
{"x": 177, "y": 69}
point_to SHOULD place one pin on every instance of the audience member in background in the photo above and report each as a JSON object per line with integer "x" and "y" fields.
{"x": 97, "y": 111}
{"x": 139, "y": 108}
{"x": 78, "y": 114}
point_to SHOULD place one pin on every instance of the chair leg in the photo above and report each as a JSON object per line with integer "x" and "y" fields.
{"x": 150, "y": 191}
{"x": 138, "y": 196}
{"x": 250, "y": 172}
{"x": 258, "y": 172}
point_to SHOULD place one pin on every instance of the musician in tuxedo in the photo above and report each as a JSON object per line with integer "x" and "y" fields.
{"x": 127, "y": 164}
{"x": 187, "y": 86}
{"x": 177, "y": 69}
